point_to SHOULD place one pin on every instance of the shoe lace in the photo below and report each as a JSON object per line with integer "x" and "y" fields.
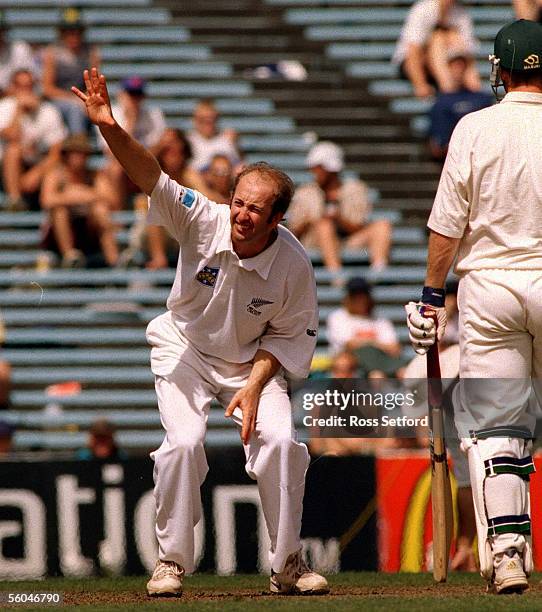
{"x": 297, "y": 567}
{"x": 167, "y": 568}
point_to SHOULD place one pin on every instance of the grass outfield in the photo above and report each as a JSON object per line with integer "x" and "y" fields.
{"x": 349, "y": 591}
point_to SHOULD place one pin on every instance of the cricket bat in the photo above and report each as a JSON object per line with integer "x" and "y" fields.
{"x": 441, "y": 492}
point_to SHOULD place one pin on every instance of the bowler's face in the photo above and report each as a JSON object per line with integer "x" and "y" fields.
{"x": 250, "y": 214}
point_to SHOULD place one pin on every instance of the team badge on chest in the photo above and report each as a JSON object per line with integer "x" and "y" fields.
{"x": 207, "y": 276}
{"x": 255, "y": 304}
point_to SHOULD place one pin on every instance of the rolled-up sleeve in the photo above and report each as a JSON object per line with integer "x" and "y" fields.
{"x": 291, "y": 334}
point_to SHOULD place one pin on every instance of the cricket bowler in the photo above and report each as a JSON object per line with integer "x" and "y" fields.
{"x": 242, "y": 311}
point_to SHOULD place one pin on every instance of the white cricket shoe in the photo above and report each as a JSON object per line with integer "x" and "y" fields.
{"x": 298, "y": 579}
{"x": 166, "y": 580}
{"x": 509, "y": 576}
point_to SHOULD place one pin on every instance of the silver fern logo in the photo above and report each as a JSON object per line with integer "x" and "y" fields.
{"x": 255, "y": 304}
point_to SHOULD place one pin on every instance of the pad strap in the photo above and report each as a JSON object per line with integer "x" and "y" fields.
{"x": 513, "y": 523}
{"x": 501, "y": 432}
{"x": 510, "y": 465}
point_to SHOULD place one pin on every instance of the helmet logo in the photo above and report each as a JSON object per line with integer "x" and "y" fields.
{"x": 533, "y": 61}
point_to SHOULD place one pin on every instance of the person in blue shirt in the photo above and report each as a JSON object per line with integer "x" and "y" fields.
{"x": 450, "y": 107}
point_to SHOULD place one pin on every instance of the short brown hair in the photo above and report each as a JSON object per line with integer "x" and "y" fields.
{"x": 284, "y": 186}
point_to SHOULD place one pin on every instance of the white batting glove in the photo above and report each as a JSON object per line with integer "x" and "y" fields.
{"x": 421, "y": 330}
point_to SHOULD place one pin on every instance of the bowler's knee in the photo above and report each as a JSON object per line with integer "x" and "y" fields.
{"x": 185, "y": 443}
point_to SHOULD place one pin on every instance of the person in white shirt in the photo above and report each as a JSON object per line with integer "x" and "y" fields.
{"x": 353, "y": 328}
{"x": 332, "y": 212}
{"x": 242, "y": 311}
{"x": 487, "y": 216}
{"x": 14, "y": 55}
{"x": 31, "y": 134}
{"x": 434, "y": 28}
{"x": 207, "y": 140}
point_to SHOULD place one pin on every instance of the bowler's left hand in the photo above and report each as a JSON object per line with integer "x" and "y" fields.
{"x": 247, "y": 399}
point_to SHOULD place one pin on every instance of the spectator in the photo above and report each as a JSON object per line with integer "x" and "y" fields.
{"x": 14, "y": 56}
{"x": 431, "y": 30}
{"x": 450, "y": 107}
{"x": 174, "y": 153}
{"x": 345, "y": 372}
{"x": 330, "y": 209}
{"x": 219, "y": 179}
{"x": 31, "y": 132}
{"x": 207, "y": 140}
{"x": 528, "y": 9}
{"x": 77, "y": 200}
{"x": 6, "y": 439}
{"x": 5, "y": 374}
{"x": 63, "y": 66}
{"x": 101, "y": 443}
{"x": 353, "y": 328}
{"x": 146, "y": 123}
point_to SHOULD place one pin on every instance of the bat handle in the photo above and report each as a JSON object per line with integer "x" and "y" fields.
{"x": 433, "y": 362}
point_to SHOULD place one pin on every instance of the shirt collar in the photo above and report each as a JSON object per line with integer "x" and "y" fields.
{"x": 523, "y": 96}
{"x": 261, "y": 263}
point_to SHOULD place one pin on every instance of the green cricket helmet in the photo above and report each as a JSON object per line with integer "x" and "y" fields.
{"x": 518, "y": 48}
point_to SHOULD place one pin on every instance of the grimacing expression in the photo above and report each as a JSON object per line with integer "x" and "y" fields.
{"x": 251, "y": 218}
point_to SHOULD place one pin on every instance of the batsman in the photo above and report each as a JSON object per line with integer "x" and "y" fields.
{"x": 487, "y": 216}
{"x": 241, "y": 313}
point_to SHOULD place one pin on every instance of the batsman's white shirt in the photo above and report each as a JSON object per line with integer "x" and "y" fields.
{"x": 228, "y": 307}
{"x": 490, "y": 190}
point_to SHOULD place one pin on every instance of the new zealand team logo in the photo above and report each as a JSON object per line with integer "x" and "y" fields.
{"x": 255, "y": 304}
{"x": 207, "y": 276}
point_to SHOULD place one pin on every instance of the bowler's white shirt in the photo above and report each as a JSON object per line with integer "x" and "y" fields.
{"x": 229, "y": 307}
{"x": 490, "y": 190}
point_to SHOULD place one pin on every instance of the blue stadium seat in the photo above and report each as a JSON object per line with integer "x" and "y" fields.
{"x": 158, "y": 70}
{"x": 164, "y": 52}
{"x": 191, "y": 89}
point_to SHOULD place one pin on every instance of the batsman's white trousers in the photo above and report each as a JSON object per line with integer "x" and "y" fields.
{"x": 186, "y": 382}
{"x": 500, "y": 326}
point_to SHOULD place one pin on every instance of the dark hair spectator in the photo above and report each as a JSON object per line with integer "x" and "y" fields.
{"x": 332, "y": 212}
{"x": 63, "y": 65}
{"x": 31, "y": 132}
{"x": 77, "y": 200}
{"x": 101, "y": 443}
{"x": 354, "y": 328}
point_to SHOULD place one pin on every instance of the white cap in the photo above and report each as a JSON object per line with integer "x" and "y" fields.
{"x": 326, "y": 154}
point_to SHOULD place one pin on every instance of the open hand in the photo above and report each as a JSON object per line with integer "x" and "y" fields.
{"x": 96, "y": 99}
{"x": 247, "y": 399}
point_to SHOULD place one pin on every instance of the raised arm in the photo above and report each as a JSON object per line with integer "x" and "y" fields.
{"x": 139, "y": 163}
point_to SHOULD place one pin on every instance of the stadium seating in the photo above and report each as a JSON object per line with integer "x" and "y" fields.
{"x": 89, "y": 325}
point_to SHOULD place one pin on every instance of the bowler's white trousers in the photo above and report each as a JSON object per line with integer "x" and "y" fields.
{"x": 186, "y": 382}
